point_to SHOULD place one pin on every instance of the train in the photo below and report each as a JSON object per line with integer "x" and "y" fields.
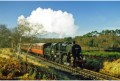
{"x": 57, "y": 52}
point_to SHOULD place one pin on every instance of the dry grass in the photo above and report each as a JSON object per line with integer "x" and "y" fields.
{"x": 112, "y": 68}
{"x": 6, "y": 53}
{"x": 33, "y": 61}
{"x": 10, "y": 64}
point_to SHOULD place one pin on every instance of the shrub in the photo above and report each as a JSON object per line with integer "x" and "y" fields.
{"x": 112, "y": 68}
{"x": 93, "y": 64}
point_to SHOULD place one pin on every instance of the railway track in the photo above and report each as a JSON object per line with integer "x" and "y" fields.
{"x": 82, "y": 72}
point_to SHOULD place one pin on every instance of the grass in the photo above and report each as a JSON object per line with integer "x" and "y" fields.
{"x": 93, "y": 64}
{"x": 12, "y": 67}
{"x": 109, "y": 65}
{"x": 34, "y": 62}
{"x": 112, "y": 68}
{"x": 103, "y": 54}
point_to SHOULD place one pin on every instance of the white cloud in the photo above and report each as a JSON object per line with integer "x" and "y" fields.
{"x": 59, "y": 22}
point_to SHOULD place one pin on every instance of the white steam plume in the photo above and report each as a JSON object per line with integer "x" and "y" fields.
{"x": 53, "y": 22}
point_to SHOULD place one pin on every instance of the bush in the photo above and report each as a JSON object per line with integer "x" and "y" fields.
{"x": 92, "y": 64}
{"x": 112, "y": 68}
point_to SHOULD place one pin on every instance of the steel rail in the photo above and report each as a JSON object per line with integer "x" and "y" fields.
{"x": 84, "y": 72}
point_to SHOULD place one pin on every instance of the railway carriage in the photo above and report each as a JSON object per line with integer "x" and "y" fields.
{"x": 37, "y": 48}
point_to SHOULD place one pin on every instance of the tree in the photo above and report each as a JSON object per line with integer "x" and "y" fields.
{"x": 4, "y": 36}
{"x": 68, "y": 39}
{"x": 118, "y": 32}
{"x": 29, "y": 31}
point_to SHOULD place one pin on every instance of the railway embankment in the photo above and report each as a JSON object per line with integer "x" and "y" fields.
{"x": 14, "y": 67}
{"x": 60, "y": 72}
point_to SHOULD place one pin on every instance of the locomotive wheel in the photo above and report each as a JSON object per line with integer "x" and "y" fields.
{"x": 64, "y": 59}
{"x": 69, "y": 57}
{"x": 55, "y": 60}
{"x": 51, "y": 57}
{"x": 60, "y": 58}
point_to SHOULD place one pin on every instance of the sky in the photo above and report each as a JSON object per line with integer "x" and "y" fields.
{"x": 88, "y": 15}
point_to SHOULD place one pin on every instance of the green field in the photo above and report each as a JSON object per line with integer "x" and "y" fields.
{"x": 103, "y": 54}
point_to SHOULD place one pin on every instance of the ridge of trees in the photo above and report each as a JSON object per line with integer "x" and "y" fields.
{"x": 108, "y": 40}
{"x": 104, "y": 32}
{"x": 104, "y": 40}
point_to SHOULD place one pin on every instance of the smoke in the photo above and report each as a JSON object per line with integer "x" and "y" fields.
{"x": 55, "y": 23}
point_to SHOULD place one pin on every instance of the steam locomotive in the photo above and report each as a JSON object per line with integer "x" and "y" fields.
{"x": 57, "y": 52}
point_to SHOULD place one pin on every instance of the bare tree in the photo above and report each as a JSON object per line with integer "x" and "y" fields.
{"x": 29, "y": 31}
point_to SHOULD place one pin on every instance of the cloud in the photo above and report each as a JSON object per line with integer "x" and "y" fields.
{"x": 53, "y": 22}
